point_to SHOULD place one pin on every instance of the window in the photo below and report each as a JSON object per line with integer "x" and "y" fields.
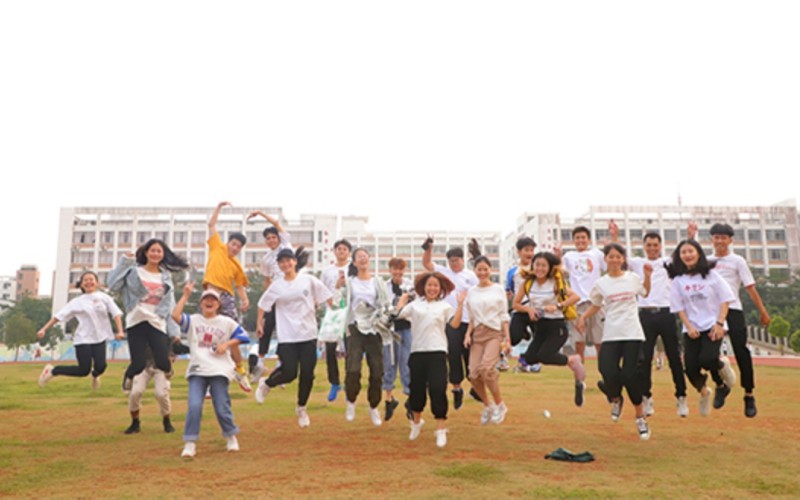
{"x": 142, "y": 237}
{"x": 198, "y": 237}
{"x": 491, "y": 249}
{"x": 636, "y": 234}
{"x": 670, "y": 235}
{"x": 754, "y": 235}
{"x": 439, "y": 249}
{"x": 255, "y": 257}
{"x": 756, "y": 254}
{"x": 602, "y": 234}
{"x": 319, "y": 255}
{"x": 319, "y": 236}
{"x": 738, "y": 234}
{"x": 740, "y": 252}
{"x": 403, "y": 249}
{"x": 105, "y": 257}
{"x": 179, "y": 237}
{"x": 107, "y": 237}
{"x": 776, "y": 235}
{"x": 163, "y": 236}
{"x": 198, "y": 259}
{"x": 385, "y": 250}
{"x": 83, "y": 237}
{"x": 303, "y": 237}
{"x": 778, "y": 254}
{"x": 566, "y": 235}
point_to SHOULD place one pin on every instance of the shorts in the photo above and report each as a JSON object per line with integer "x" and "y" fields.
{"x": 593, "y": 333}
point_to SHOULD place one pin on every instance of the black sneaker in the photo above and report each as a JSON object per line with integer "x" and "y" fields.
{"x": 134, "y": 427}
{"x": 390, "y": 407}
{"x": 458, "y": 398}
{"x": 475, "y": 395}
{"x": 409, "y": 413}
{"x": 720, "y": 393}
{"x": 750, "y": 409}
{"x": 579, "y": 387}
{"x": 168, "y": 426}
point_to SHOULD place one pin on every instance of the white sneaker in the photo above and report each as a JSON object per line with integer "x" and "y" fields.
{"x": 303, "y": 420}
{"x": 258, "y": 372}
{"x": 705, "y": 401}
{"x": 232, "y": 444}
{"x": 499, "y": 413}
{"x": 683, "y": 408}
{"x": 244, "y": 383}
{"x": 486, "y": 415}
{"x": 441, "y": 437}
{"x": 647, "y": 404}
{"x": 189, "y": 450}
{"x": 415, "y": 429}
{"x": 96, "y": 383}
{"x": 46, "y": 375}
{"x": 727, "y": 373}
{"x": 616, "y": 409}
{"x": 262, "y": 391}
{"x": 350, "y": 412}
{"x": 643, "y": 428}
{"x": 375, "y": 415}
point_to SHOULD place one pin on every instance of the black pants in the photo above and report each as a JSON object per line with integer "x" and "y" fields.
{"x": 332, "y": 363}
{"x": 661, "y": 322}
{"x": 518, "y": 328}
{"x": 629, "y": 375}
{"x": 140, "y": 336}
{"x": 702, "y": 353}
{"x": 292, "y": 355}
{"x": 457, "y": 354}
{"x": 737, "y": 332}
{"x": 269, "y": 327}
{"x": 86, "y": 355}
{"x": 549, "y": 336}
{"x": 428, "y": 373}
{"x": 358, "y": 345}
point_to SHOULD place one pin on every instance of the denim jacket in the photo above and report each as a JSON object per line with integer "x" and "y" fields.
{"x": 124, "y": 280}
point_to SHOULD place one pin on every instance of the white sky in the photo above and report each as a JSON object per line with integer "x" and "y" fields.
{"x": 426, "y": 114}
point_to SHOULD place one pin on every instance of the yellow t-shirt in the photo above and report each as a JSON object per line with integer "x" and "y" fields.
{"x": 222, "y": 270}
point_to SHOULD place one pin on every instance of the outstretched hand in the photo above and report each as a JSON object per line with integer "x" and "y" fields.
{"x": 427, "y": 243}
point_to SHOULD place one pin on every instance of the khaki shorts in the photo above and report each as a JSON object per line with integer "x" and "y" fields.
{"x": 593, "y": 333}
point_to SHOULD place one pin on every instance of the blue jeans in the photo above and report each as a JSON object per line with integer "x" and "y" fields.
{"x": 401, "y": 352}
{"x": 222, "y": 406}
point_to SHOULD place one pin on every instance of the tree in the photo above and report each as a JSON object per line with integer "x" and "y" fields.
{"x": 794, "y": 342}
{"x": 19, "y": 331}
{"x": 254, "y": 293}
{"x": 779, "y": 328}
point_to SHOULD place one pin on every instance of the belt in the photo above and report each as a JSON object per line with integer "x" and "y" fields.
{"x": 654, "y": 310}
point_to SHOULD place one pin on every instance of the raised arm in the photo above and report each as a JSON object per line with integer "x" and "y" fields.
{"x": 272, "y": 220}
{"x": 427, "y": 255}
{"x": 691, "y": 230}
{"x": 188, "y": 288}
{"x": 212, "y": 222}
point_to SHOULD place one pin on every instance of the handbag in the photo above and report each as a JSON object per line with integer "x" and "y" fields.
{"x": 333, "y": 323}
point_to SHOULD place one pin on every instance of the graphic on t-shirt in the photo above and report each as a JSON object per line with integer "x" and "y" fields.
{"x": 207, "y": 336}
{"x": 155, "y": 292}
{"x": 694, "y": 291}
{"x": 584, "y": 265}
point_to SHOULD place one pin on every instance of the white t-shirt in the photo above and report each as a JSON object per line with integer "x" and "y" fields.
{"x": 91, "y": 310}
{"x": 428, "y": 321}
{"x": 487, "y": 305}
{"x": 362, "y": 292}
{"x": 330, "y": 276}
{"x": 660, "y": 284}
{"x": 269, "y": 262}
{"x": 204, "y": 335}
{"x": 145, "y": 310}
{"x": 296, "y": 302}
{"x": 700, "y": 298}
{"x": 736, "y": 273}
{"x": 584, "y": 269}
{"x": 543, "y": 295}
{"x": 617, "y": 297}
{"x": 463, "y": 280}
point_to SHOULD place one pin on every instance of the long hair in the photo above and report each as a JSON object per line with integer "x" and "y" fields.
{"x": 352, "y": 270}
{"x": 170, "y": 262}
{"x": 445, "y": 284}
{"x": 678, "y": 268}
{"x": 301, "y": 256}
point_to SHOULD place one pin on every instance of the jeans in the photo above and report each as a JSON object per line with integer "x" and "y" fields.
{"x": 395, "y": 356}
{"x": 86, "y": 354}
{"x": 219, "y": 398}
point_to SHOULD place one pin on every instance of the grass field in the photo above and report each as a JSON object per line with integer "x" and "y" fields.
{"x": 65, "y": 441}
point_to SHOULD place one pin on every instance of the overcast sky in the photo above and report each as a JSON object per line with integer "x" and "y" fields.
{"x": 420, "y": 115}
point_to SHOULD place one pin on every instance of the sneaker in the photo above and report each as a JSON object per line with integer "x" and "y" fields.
{"x": 683, "y": 408}
{"x": 334, "y": 392}
{"x": 499, "y": 413}
{"x": 390, "y": 407}
{"x": 262, "y": 390}
{"x": 303, "y": 420}
{"x": 649, "y": 407}
{"x": 458, "y": 398}
{"x": 535, "y": 368}
{"x": 616, "y": 409}
{"x": 474, "y": 394}
{"x": 643, "y": 428}
{"x": 244, "y": 383}
{"x": 350, "y": 412}
{"x": 134, "y": 427}
{"x": 726, "y": 372}
{"x": 258, "y": 372}
{"x": 720, "y": 393}
{"x": 232, "y": 444}
{"x": 750, "y": 409}
{"x": 96, "y": 383}
{"x": 168, "y": 428}
{"x": 486, "y": 415}
{"x": 441, "y": 437}
{"x": 705, "y": 401}
{"x": 375, "y": 416}
{"x": 503, "y": 365}
{"x": 415, "y": 430}
{"x": 46, "y": 375}
{"x": 579, "y": 387}
{"x": 127, "y": 383}
{"x": 189, "y": 450}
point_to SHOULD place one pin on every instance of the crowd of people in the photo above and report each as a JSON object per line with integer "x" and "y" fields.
{"x": 448, "y": 326}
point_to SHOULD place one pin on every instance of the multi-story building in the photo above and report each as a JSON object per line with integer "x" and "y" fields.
{"x": 767, "y": 237}
{"x": 8, "y": 292}
{"x": 27, "y": 281}
{"x": 93, "y": 238}
{"x": 408, "y": 245}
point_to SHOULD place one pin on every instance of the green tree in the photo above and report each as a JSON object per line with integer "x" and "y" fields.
{"x": 779, "y": 328}
{"x": 19, "y": 331}
{"x": 794, "y": 341}
{"x": 254, "y": 293}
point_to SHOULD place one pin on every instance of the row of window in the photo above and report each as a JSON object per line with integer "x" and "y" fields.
{"x": 179, "y": 238}
{"x": 680, "y": 234}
